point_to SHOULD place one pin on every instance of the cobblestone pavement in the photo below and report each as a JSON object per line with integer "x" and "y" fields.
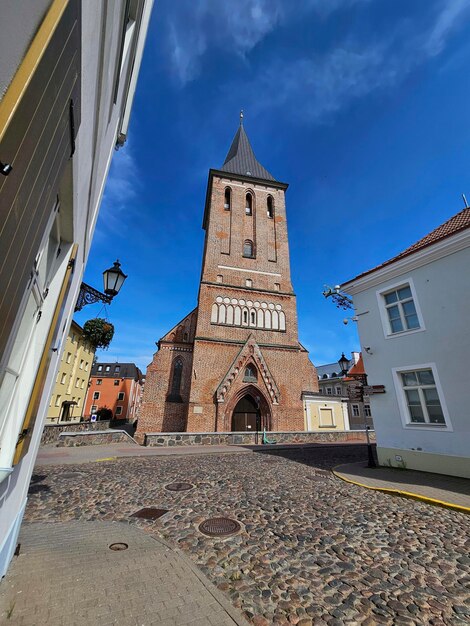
{"x": 312, "y": 549}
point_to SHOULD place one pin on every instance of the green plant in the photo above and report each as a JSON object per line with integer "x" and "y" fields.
{"x": 98, "y": 332}
{"x": 104, "y": 413}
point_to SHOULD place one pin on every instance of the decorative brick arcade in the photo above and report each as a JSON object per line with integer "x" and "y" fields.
{"x": 235, "y": 362}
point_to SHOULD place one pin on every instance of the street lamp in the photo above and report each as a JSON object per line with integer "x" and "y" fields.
{"x": 344, "y": 364}
{"x": 113, "y": 279}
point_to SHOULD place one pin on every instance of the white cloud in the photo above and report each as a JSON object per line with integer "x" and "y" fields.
{"x": 194, "y": 28}
{"x": 447, "y": 20}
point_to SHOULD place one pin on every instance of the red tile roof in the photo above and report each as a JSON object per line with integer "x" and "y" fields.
{"x": 357, "y": 368}
{"x": 455, "y": 224}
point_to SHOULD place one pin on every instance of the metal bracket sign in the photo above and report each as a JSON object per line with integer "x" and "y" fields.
{"x": 370, "y": 390}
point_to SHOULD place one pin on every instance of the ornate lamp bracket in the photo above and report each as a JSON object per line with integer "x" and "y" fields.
{"x": 341, "y": 300}
{"x": 89, "y": 295}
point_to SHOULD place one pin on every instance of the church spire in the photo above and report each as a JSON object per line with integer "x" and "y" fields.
{"x": 241, "y": 159}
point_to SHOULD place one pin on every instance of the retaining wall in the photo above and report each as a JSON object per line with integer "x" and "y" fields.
{"x": 93, "y": 438}
{"x": 51, "y": 432}
{"x": 247, "y": 438}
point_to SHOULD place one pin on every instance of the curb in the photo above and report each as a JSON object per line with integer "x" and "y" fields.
{"x": 406, "y": 494}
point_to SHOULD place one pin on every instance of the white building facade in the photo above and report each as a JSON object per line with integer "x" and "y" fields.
{"x": 68, "y": 71}
{"x": 412, "y": 316}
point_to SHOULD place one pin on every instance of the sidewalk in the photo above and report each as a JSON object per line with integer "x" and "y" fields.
{"x": 66, "y": 575}
{"x": 449, "y": 491}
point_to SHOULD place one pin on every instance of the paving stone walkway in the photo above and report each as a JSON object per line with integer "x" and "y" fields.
{"x": 66, "y": 574}
{"x": 313, "y": 549}
{"x": 448, "y": 490}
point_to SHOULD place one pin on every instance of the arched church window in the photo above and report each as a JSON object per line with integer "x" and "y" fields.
{"x": 251, "y": 375}
{"x": 253, "y": 318}
{"x": 245, "y": 317}
{"x": 185, "y": 337}
{"x": 270, "y": 207}
{"x": 249, "y": 204}
{"x": 227, "y": 199}
{"x": 175, "y": 389}
{"x": 248, "y": 249}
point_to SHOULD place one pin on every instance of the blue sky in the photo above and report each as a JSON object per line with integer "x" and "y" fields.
{"x": 360, "y": 105}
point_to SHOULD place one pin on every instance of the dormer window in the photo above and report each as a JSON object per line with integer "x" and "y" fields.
{"x": 227, "y": 199}
{"x": 248, "y": 249}
{"x": 249, "y": 204}
{"x": 270, "y": 208}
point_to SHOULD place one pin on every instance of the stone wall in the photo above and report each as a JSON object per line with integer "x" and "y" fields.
{"x": 91, "y": 438}
{"x": 51, "y": 432}
{"x": 246, "y": 438}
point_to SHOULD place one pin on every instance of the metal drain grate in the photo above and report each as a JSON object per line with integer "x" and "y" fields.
{"x": 117, "y": 547}
{"x": 149, "y": 513}
{"x": 219, "y": 527}
{"x": 179, "y": 486}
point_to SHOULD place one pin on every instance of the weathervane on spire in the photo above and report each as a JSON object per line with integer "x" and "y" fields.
{"x": 241, "y": 117}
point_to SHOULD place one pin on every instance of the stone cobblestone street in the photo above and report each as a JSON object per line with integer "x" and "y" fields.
{"x": 312, "y": 549}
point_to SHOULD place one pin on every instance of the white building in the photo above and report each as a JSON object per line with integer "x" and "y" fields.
{"x": 68, "y": 71}
{"x": 412, "y": 316}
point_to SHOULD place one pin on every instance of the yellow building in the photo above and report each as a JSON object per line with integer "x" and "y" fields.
{"x": 325, "y": 413}
{"x": 71, "y": 384}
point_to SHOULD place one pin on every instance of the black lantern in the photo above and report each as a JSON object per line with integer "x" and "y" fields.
{"x": 343, "y": 363}
{"x": 113, "y": 279}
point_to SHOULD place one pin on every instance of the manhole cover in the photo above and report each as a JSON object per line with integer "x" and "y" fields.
{"x": 149, "y": 513}
{"x": 219, "y": 526}
{"x": 118, "y": 546}
{"x": 179, "y": 486}
{"x": 72, "y": 475}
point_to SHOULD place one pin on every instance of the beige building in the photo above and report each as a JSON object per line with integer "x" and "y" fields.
{"x": 325, "y": 413}
{"x": 71, "y": 385}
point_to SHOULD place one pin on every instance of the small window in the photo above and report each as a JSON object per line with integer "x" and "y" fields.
{"x": 185, "y": 337}
{"x": 334, "y": 375}
{"x": 248, "y": 282}
{"x": 99, "y": 381}
{"x": 367, "y": 412}
{"x": 325, "y": 376}
{"x": 117, "y": 369}
{"x": 118, "y": 410}
{"x": 57, "y": 400}
{"x": 81, "y": 363}
{"x": 270, "y": 208}
{"x": 338, "y": 391}
{"x": 220, "y": 278}
{"x": 401, "y": 310}
{"x": 86, "y": 366}
{"x": 116, "y": 383}
{"x": 249, "y": 204}
{"x": 227, "y": 199}
{"x": 96, "y": 395}
{"x": 250, "y": 374}
{"x": 94, "y": 408}
{"x": 100, "y": 368}
{"x": 248, "y": 249}
{"x": 121, "y": 395}
{"x": 77, "y": 383}
{"x": 245, "y": 317}
{"x": 82, "y": 386}
{"x": 277, "y": 286}
{"x": 69, "y": 357}
{"x": 63, "y": 379}
{"x": 329, "y": 391}
{"x": 422, "y": 398}
{"x": 355, "y": 410}
{"x": 252, "y": 318}
{"x": 108, "y": 368}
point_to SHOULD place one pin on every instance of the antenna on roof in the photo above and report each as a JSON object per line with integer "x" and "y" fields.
{"x": 241, "y": 117}
{"x": 465, "y": 201}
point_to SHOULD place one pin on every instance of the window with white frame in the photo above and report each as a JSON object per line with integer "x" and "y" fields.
{"x": 422, "y": 398}
{"x": 96, "y": 395}
{"x": 355, "y": 410}
{"x": 118, "y": 410}
{"x": 121, "y": 395}
{"x": 367, "y": 411}
{"x": 338, "y": 391}
{"x": 99, "y": 381}
{"x": 329, "y": 391}
{"x": 401, "y": 310}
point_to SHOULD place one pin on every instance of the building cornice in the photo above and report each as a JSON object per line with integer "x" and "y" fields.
{"x": 418, "y": 259}
{"x": 288, "y": 294}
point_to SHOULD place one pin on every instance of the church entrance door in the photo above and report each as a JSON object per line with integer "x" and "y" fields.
{"x": 246, "y": 415}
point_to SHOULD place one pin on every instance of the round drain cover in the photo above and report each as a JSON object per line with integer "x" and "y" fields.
{"x": 179, "y": 486}
{"x": 118, "y": 546}
{"x": 219, "y": 526}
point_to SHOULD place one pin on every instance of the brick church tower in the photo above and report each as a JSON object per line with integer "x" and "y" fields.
{"x": 235, "y": 362}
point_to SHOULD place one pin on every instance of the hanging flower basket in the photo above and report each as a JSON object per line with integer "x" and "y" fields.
{"x": 98, "y": 332}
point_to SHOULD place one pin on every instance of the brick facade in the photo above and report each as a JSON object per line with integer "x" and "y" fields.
{"x": 246, "y": 318}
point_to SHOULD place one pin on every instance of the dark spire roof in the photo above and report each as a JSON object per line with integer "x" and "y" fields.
{"x": 241, "y": 158}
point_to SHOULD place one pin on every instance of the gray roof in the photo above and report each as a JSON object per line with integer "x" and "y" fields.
{"x": 116, "y": 370}
{"x": 331, "y": 368}
{"x": 241, "y": 158}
